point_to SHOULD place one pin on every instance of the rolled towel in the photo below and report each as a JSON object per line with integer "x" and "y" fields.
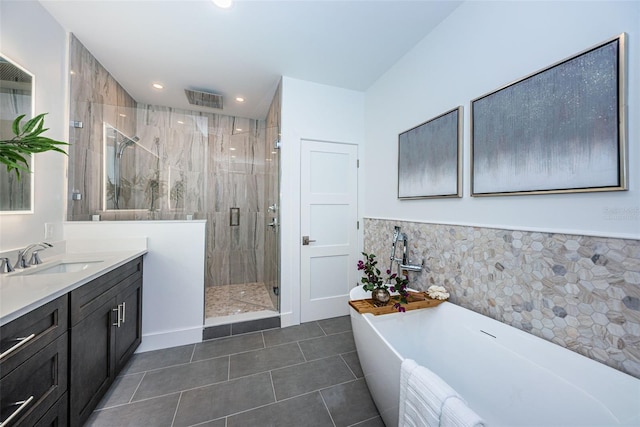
{"x": 422, "y": 395}
{"x": 456, "y": 413}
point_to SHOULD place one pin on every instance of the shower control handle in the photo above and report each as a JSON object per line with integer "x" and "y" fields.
{"x": 306, "y": 240}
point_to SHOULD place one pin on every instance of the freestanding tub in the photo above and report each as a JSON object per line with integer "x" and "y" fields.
{"x": 507, "y": 376}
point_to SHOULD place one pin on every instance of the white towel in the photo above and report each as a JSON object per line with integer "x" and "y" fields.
{"x": 456, "y": 413}
{"x": 422, "y": 395}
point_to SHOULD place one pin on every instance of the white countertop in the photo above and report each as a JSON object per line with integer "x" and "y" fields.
{"x": 21, "y": 293}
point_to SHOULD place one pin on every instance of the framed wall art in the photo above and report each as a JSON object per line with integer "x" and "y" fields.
{"x": 430, "y": 158}
{"x": 561, "y": 129}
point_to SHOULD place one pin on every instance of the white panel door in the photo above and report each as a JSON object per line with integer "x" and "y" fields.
{"x": 329, "y": 215}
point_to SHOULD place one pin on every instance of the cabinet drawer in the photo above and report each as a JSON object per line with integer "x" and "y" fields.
{"x": 57, "y": 415}
{"x": 25, "y": 336}
{"x": 31, "y": 389}
{"x": 87, "y": 298}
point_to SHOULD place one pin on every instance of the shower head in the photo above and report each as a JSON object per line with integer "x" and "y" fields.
{"x": 127, "y": 142}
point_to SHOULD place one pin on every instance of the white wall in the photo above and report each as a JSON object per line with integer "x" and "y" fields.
{"x": 317, "y": 112}
{"x": 33, "y": 39}
{"x": 480, "y": 47}
{"x": 173, "y": 275}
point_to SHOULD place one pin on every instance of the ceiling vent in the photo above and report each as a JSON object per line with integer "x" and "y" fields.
{"x": 204, "y": 99}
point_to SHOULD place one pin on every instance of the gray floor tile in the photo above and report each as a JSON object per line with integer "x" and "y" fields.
{"x": 156, "y": 412}
{"x": 349, "y": 403}
{"x": 222, "y": 422}
{"x": 183, "y": 377}
{"x": 265, "y": 359}
{"x": 146, "y": 361}
{"x": 308, "y": 411}
{"x": 310, "y": 376}
{"x": 335, "y": 325}
{"x": 292, "y": 333}
{"x": 208, "y": 399}
{"x": 373, "y": 422}
{"x": 331, "y": 345}
{"x": 226, "y": 346}
{"x": 352, "y": 360}
{"x": 219, "y": 400}
{"x": 121, "y": 391}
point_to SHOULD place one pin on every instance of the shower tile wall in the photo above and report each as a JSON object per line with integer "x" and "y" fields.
{"x": 96, "y": 98}
{"x": 235, "y": 179}
{"x": 580, "y": 292}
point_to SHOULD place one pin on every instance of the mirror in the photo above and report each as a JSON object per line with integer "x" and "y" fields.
{"x": 16, "y": 98}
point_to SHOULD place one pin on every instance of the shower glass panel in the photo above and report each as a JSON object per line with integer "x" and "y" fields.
{"x": 243, "y": 283}
{"x": 160, "y": 170}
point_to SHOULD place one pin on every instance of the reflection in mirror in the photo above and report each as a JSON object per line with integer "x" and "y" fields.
{"x": 16, "y": 98}
{"x": 126, "y": 185}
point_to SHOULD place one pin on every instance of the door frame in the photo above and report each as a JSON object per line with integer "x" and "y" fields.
{"x": 329, "y": 308}
{"x": 290, "y": 222}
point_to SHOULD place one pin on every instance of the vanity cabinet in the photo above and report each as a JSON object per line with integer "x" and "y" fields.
{"x": 33, "y": 366}
{"x": 106, "y": 328}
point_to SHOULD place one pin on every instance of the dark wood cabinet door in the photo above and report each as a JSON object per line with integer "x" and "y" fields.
{"x": 92, "y": 361}
{"x": 129, "y": 333}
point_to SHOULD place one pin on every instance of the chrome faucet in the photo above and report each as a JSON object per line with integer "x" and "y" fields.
{"x": 5, "y": 265}
{"x": 403, "y": 263}
{"x": 35, "y": 257}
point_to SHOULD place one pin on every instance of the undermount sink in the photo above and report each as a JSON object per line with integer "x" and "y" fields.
{"x": 59, "y": 267}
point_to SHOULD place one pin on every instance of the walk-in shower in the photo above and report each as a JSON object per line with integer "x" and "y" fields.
{"x": 221, "y": 169}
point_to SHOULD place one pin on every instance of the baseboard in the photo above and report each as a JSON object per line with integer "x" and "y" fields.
{"x": 287, "y": 319}
{"x": 168, "y": 339}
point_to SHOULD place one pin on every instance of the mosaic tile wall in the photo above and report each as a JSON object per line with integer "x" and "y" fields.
{"x": 580, "y": 292}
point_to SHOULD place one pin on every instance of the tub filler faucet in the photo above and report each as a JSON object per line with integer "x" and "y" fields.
{"x": 403, "y": 263}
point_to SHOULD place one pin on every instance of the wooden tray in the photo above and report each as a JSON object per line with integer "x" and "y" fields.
{"x": 416, "y": 300}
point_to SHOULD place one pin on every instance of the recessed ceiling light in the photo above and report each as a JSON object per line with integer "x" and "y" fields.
{"x": 238, "y": 130}
{"x": 239, "y": 99}
{"x": 158, "y": 86}
{"x": 122, "y": 115}
{"x": 223, "y": 4}
{"x": 180, "y": 122}
{"x": 232, "y": 149}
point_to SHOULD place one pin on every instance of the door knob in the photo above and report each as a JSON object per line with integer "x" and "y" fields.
{"x": 306, "y": 240}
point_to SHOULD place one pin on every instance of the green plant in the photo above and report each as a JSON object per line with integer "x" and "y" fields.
{"x": 372, "y": 280}
{"x": 27, "y": 140}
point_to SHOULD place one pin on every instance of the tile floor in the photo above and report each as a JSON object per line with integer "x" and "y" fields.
{"x": 306, "y": 375}
{"x": 226, "y": 300}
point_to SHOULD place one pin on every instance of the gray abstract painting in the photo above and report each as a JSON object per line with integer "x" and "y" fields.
{"x": 556, "y": 130}
{"x": 428, "y": 158}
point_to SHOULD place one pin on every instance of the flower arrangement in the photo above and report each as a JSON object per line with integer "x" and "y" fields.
{"x": 373, "y": 280}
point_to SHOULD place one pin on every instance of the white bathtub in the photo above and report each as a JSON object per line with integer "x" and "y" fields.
{"x": 507, "y": 376}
